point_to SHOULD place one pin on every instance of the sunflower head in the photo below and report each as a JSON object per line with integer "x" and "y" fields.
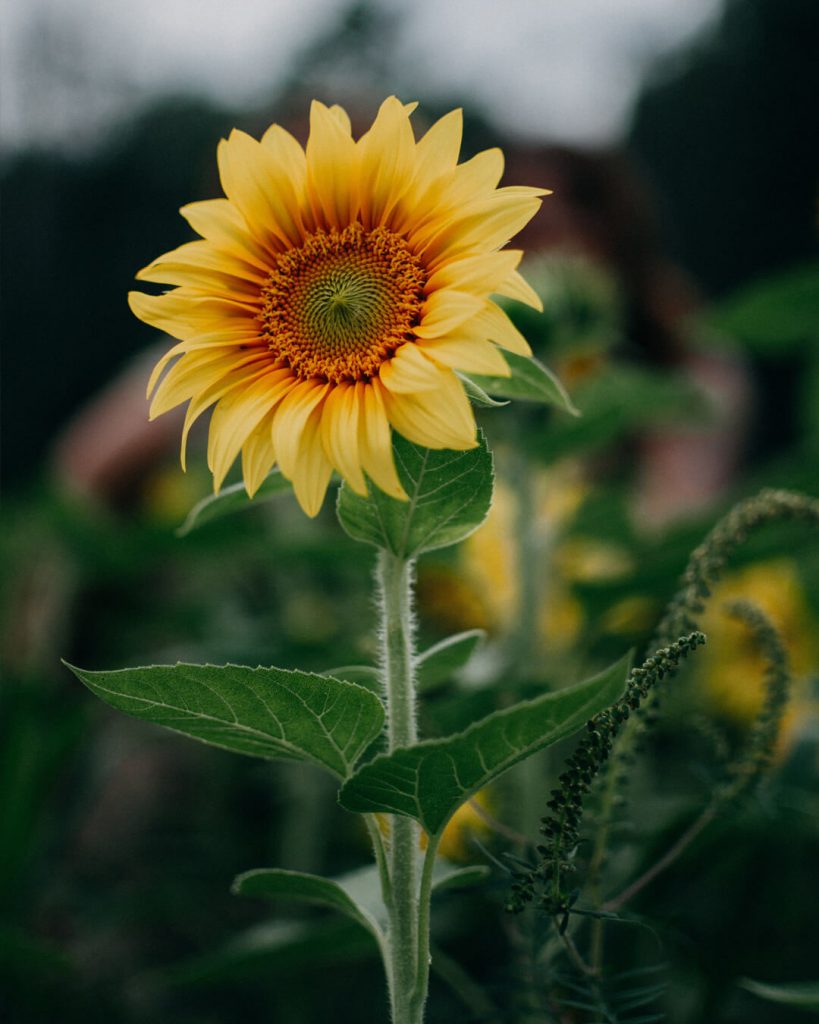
{"x": 333, "y": 295}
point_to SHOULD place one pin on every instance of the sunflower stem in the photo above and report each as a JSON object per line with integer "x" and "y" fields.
{"x": 406, "y": 974}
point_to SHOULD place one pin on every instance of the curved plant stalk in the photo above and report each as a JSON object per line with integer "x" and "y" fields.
{"x": 746, "y": 770}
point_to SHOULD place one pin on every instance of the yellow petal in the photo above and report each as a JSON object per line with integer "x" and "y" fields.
{"x": 446, "y": 310}
{"x": 185, "y": 316}
{"x": 312, "y": 469}
{"x": 437, "y": 152}
{"x": 192, "y": 373}
{"x": 476, "y": 178}
{"x": 479, "y": 274}
{"x": 201, "y": 264}
{"x": 343, "y": 118}
{"x": 218, "y": 221}
{"x": 205, "y": 284}
{"x": 409, "y": 371}
{"x": 227, "y": 337}
{"x": 290, "y": 157}
{"x": 436, "y": 156}
{"x": 331, "y": 169}
{"x": 339, "y": 434}
{"x": 386, "y": 152}
{"x": 488, "y": 226}
{"x": 203, "y": 400}
{"x": 523, "y": 191}
{"x": 290, "y": 419}
{"x": 287, "y": 153}
{"x": 494, "y": 324}
{"x": 375, "y": 441}
{"x": 472, "y": 355}
{"x": 237, "y": 414}
{"x": 260, "y": 188}
{"x": 258, "y": 456}
{"x": 435, "y": 419}
{"x": 515, "y": 287}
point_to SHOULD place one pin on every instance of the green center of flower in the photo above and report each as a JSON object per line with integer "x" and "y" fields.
{"x": 340, "y": 305}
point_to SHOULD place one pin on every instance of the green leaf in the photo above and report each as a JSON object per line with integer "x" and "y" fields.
{"x": 449, "y": 877}
{"x": 355, "y": 895}
{"x": 449, "y": 497}
{"x": 531, "y": 381}
{"x": 776, "y": 315}
{"x": 232, "y": 499}
{"x": 364, "y": 675}
{"x": 431, "y": 780}
{"x": 804, "y": 994}
{"x": 437, "y": 664}
{"x": 264, "y": 712}
{"x": 476, "y": 395}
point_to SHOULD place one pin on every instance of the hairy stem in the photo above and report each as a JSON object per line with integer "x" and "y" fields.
{"x": 406, "y": 975}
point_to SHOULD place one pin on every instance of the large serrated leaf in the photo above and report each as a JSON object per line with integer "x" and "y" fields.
{"x": 530, "y": 381}
{"x": 233, "y": 499}
{"x": 431, "y": 780}
{"x": 449, "y": 497}
{"x": 263, "y": 712}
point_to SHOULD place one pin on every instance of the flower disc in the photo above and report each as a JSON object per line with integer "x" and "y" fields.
{"x": 340, "y": 305}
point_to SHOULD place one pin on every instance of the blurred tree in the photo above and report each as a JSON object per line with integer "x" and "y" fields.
{"x": 75, "y": 231}
{"x": 727, "y": 130}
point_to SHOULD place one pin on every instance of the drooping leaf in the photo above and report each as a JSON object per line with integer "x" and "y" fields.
{"x": 437, "y": 664}
{"x": 233, "y": 499}
{"x": 476, "y": 394}
{"x": 431, "y": 780}
{"x": 531, "y": 381}
{"x": 355, "y": 895}
{"x": 451, "y": 877}
{"x": 449, "y": 497}
{"x": 364, "y": 675}
{"x": 264, "y": 712}
{"x": 434, "y": 666}
{"x": 804, "y": 994}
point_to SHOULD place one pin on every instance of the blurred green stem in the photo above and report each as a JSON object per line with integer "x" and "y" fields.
{"x": 408, "y": 937}
{"x": 529, "y": 568}
{"x": 525, "y": 636}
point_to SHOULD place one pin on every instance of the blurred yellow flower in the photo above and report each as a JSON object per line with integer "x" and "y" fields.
{"x": 333, "y": 295}
{"x": 732, "y": 666}
{"x": 490, "y": 555}
{"x": 464, "y": 825}
{"x": 585, "y": 560}
{"x": 632, "y": 616}
{"x": 456, "y": 840}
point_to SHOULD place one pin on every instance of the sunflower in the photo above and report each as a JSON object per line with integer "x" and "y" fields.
{"x": 333, "y": 295}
